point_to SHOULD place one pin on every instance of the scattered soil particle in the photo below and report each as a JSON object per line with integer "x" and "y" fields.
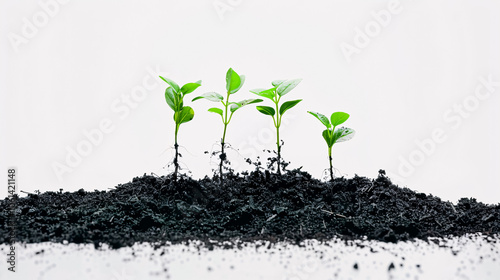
{"x": 252, "y": 206}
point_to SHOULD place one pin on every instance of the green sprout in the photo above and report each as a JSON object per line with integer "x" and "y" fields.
{"x": 174, "y": 95}
{"x": 280, "y": 88}
{"x": 234, "y": 82}
{"x": 332, "y": 135}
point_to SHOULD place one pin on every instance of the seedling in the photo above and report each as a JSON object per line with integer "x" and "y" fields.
{"x": 234, "y": 82}
{"x": 332, "y": 135}
{"x": 280, "y": 88}
{"x": 174, "y": 95}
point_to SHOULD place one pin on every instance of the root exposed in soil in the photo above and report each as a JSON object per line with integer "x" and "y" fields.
{"x": 254, "y": 206}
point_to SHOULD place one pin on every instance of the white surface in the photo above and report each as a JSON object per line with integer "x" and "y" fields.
{"x": 462, "y": 258}
{"x": 81, "y": 61}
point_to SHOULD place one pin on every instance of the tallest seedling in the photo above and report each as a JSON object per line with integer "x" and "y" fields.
{"x": 174, "y": 95}
{"x": 280, "y": 88}
{"x": 234, "y": 82}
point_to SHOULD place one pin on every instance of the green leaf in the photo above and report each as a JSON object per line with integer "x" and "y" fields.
{"x": 233, "y": 81}
{"x": 234, "y": 106}
{"x": 266, "y": 110}
{"x": 172, "y": 84}
{"x": 328, "y": 137}
{"x": 170, "y": 98}
{"x": 288, "y": 105}
{"x": 242, "y": 78}
{"x": 343, "y": 134}
{"x": 212, "y": 96}
{"x": 339, "y": 118}
{"x": 249, "y": 101}
{"x": 277, "y": 83}
{"x": 322, "y": 118}
{"x": 185, "y": 115}
{"x": 287, "y": 86}
{"x": 216, "y": 110}
{"x": 190, "y": 87}
{"x": 267, "y": 93}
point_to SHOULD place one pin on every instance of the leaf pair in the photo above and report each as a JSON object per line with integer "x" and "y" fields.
{"x": 174, "y": 95}
{"x": 266, "y": 110}
{"x": 280, "y": 88}
{"x": 330, "y": 134}
{"x": 234, "y": 82}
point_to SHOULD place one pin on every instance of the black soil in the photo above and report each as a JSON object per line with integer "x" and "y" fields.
{"x": 253, "y": 206}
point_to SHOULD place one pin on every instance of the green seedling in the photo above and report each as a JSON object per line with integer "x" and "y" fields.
{"x": 174, "y": 95}
{"x": 332, "y": 135}
{"x": 280, "y": 88}
{"x": 234, "y": 82}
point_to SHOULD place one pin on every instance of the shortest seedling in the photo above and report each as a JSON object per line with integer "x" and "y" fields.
{"x": 332, "y": 135}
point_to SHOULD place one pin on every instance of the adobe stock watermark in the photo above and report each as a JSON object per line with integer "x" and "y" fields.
{"x": 453, "y": 118}
{"x": 373, "y": 28}
{"x": 223, "y": 6}
{"x": 12, "y": 220}
{"x": 121, "y": 107}
{"x": 32, "y": 25}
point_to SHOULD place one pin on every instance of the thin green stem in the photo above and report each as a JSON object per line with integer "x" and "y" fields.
{"x": 225, "y": 121}
{"x": 330, "y": 159}
{"x": 176, "y": 146}
{"x": 277, "y": 124}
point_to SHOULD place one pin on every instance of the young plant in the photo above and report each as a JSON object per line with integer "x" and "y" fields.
{"x": 280, "y": 88}
{"x": 174, "y": 95}
{"x": 234, "y": 82}
{"x": 332, "y": 135}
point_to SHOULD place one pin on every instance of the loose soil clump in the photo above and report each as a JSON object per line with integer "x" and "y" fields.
{"x": 253, "y": 206}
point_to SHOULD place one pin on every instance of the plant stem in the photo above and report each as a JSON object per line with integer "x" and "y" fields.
{"x": 330, "y": 158}
{"x": 223, "y": 140}
{"x": 176, "y": 159}
{"x": 277, "y": 124}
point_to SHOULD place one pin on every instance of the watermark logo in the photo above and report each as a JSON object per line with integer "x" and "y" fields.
{"x": 223, "y": 6}
{"x": 31, "y": 26}
{"x": 373, "y": 28}
{"x": 121, "y": 107}
{"x": 454, "y": 118}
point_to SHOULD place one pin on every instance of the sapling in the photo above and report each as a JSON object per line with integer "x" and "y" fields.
{"x": 174, "y": 95}
{"x": 234, "y": 82}
{"x": 332, "y": 135}
{"x": 280, "y": 88}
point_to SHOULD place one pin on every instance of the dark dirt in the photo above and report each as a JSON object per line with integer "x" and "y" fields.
{"x": 253, "y": 206}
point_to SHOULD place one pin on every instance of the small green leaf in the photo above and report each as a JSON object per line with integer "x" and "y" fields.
{"x": 212, "y": 96}
{"x": 233, "y": 81}
{"x": 343, "y": 134}
{"x": 190, "y": 87}
{"x": 287, "y": 86}
{"x": 266, "y": 110}
{"x": 234, "y": 106}
{"x": 216, "y": 110}
{"x": 322, "y": 118}
{"x": 339, "y": 118}
{"x": 242, "y": 78}
{"x": 277, "y": 83}
{"x": 249, "y": 101}
{"x": 267, "y": 93}
{"x": 171, "y": 83}
{"x": 185, "y": 115}
{"x": 169, "y": 97}
{"x": 328, "y": 137}
{"x": 288, "y": 105}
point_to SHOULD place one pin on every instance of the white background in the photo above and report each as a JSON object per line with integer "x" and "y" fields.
{"x": 66, "y": 67}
